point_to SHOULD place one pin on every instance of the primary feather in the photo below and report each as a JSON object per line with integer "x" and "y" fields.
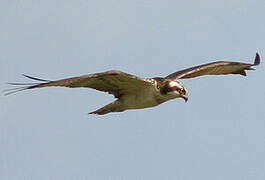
{"x": 215, "y": 68}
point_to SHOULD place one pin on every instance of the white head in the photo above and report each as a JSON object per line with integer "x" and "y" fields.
{"x": 175, "y": 89}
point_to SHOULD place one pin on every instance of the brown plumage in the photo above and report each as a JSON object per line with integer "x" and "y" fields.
{"x": 215, "y": 68}
{"x": 133, "y": 92}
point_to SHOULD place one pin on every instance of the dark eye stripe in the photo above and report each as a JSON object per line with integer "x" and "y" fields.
{"x": 176, "y": 88}
{"x": 180, "y": 90}
{"x": 183, "y": 91}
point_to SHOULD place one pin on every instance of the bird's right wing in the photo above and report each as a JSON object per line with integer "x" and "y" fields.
{"x": 113, "y": 82}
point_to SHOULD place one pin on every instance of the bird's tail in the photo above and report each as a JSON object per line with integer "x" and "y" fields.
{"x": 112, "y": 107}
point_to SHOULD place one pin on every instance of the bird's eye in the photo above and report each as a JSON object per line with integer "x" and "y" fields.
{"x": 183, "y": 91}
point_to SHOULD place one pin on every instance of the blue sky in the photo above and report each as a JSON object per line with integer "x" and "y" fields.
{"x": 47, "y": 134}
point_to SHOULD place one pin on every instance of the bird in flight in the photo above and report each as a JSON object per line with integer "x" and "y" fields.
{"x": 133, "y": 92}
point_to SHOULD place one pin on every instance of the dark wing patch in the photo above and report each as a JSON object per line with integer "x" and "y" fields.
{"x": 215, "y": 68}
{"x": 113, "y": 82}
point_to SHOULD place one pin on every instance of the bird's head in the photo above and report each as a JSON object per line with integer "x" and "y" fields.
{"x": 174, "y": 89}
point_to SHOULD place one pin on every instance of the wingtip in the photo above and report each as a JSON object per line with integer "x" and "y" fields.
{"x": 7, "y": 92}
{"x": 36, "y": 79}
{"x": 257, "y": 59}
{"x": 93, "y": 112}
{"x": 243, "y": 73}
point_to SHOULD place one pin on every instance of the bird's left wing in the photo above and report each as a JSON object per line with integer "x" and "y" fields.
{"x": 114, "y": 82}
{"x": 215, "y": 68}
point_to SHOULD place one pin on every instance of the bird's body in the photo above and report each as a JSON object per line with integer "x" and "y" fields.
{"x": 148, "y": 96}
{"x": 133, "y": 92}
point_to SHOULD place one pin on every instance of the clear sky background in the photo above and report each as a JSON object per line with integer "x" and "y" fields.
{"x": 47, "y": 134}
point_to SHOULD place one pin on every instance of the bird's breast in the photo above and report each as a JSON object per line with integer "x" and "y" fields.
{"x": 141, "y": 99}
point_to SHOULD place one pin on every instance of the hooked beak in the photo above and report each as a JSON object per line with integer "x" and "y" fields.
{"x": 185, "y": 97}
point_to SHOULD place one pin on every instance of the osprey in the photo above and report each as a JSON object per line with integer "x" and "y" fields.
{"x": 133, "y": 92}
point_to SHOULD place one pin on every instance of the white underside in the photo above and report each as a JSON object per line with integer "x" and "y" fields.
{"x": 145, "y": 98}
